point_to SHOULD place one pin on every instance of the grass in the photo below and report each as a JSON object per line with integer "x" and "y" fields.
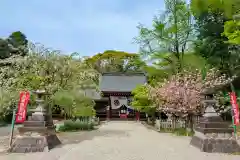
{"x": 236, "y": 153}
{"x": 238, "y": 130}
{"x": 177, "y": 131}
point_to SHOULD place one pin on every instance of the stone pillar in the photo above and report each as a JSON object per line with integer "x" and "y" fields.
{"x": 212, "y": 134}
{"x": 38, "y": 132}
{"x": 40, "y": 111}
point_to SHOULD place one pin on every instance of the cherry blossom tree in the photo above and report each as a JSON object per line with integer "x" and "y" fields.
{"x": 42, "y": 68}
{"x": 182, "y": 93}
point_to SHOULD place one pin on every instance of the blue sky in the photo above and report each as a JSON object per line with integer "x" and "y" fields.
{"x": 84, "y": 26}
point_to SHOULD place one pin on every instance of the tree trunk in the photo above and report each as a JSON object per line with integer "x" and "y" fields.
{"x": 190, "y": 122}
{"x": 153, "y": 118}
{"x": 173, "y": 122}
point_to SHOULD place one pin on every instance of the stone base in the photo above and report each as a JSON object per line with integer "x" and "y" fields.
{"x": 38, "y": 116}
{"x": 34, "y": 143}
{"x": 217, "y": 144}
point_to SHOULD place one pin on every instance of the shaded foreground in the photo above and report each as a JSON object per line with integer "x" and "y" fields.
{"x": 122, "y": 141}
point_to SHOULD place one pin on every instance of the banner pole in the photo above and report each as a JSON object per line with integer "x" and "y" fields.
{"x": 12, "y": 128}
{"x": 234, "y": 126}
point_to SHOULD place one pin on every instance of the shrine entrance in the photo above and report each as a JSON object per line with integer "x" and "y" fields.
{"x": 120, "y": 108}
{"x": 116, "y": 91}
{"x": 117, "y": 108}
{"x": 123, "y": 113}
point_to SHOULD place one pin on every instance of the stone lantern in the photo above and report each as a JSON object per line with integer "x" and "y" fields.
{"x": 212, "y": 134}
{"x": 38, "y": 132}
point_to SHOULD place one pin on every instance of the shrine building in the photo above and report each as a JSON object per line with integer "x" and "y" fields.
{"x": 115, "y": 100}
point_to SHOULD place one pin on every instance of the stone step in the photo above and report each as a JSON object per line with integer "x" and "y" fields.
{"x": 29, "y": 141}
{"x": 32, "y": 129}
{"x": 214, "y": 130}
{"x": 213, "y": 125}
{"x": 28, "y": 149}
{"x": 34, "y": 123}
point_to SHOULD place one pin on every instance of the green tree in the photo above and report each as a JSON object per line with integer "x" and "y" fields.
{"x": 15, "y": 44}
{"x": 155, "y": 74}
{"x": 45, "y": 69}
{"x": 232, "y": 31}
{"x": 18, "y": 39}
{"x": 74, "y": 103}
{"x": 210, "y": 17}
{"x": 116, "y": 61}
{"x": 141, "y": 100}
{"x": 18, "y": 43}
{"x": 228, "y": 8}
{"x": 169, "y": 37}
{"x": 4, "y": 49}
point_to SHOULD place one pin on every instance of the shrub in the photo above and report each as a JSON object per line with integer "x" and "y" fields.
{"x": 74, "y": 104}
{"x": 70, "y": 125}
{"x": 96, "y": 121}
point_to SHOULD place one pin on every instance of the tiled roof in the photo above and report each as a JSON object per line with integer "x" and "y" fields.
{"x": 121, "y": 82}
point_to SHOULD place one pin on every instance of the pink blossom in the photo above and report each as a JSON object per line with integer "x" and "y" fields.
{"x": 183, "y": 92}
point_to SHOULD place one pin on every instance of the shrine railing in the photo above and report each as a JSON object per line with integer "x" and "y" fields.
{"x": 175, "y": 123}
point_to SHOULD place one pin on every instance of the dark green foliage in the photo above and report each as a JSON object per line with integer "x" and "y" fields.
{"x": 210, "y": 43}
{"x": 15, "y": 44}
{"x": 4, "y": 49}
{"x": 18, "y": 43}
{"x": 18, "y": 39}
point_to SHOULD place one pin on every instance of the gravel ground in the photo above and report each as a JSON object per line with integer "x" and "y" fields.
{"x": 122, "y": 141}
{"x": 4, "y": 136}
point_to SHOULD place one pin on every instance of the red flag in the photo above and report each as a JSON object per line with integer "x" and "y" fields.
{"x": 235, "y": 107}
{"x": 22, "y": 107}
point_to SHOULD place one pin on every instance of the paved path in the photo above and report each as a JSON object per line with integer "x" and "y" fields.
{"x": 125, "y": 141}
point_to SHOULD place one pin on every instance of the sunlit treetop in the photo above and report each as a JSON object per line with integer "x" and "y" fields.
{"x": 229, "y": 7}
{"x": 232, "y": 31}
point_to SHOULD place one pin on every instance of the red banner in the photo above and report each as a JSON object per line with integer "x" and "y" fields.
{"x": 22, "y": 107}
{"x": 235, "y": 107}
